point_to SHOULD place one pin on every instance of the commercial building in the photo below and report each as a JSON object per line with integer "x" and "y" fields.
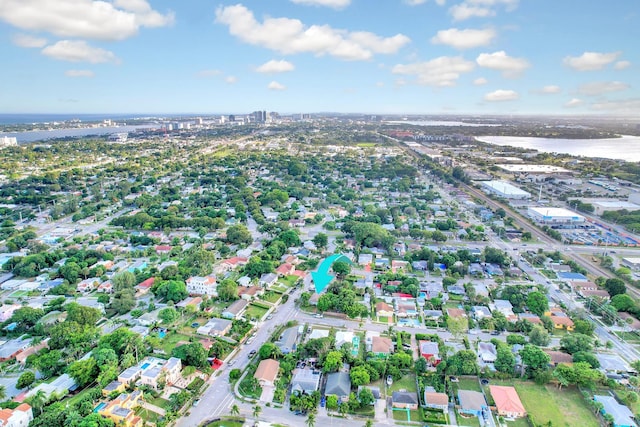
{"x": 8, "y": 141}
{"x": 602, "y": 206}
{"x": 505, "y": 189}
{"x": 532, "y": 168}
{"x": 555, "y": 216}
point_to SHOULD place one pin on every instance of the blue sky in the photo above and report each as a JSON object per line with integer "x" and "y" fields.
{"x": 371, "y": 56}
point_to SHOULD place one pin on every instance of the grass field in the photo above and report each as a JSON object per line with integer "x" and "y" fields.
{"x": 147, "y": 415}
{"x": 272, "y": 296}
{"x": 401, "y": 415}
{"x": 468, "y": 384}
{"x": 159, "y": 402}
{"x": 226, "y": 423}
{"x": 563, "y": 408}
{"x": 169, "y": 342}
{"x": 253, "y": 311}
{"x": 468, "y": 421}
{"x": 289, "y": 280}
{"x": 408, "y": 383}
{"x": 366, "y": 144}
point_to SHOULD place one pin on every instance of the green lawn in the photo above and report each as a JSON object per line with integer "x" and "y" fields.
{"x": 565, "y": 407}
{"x": 468, "y": 384}
{"x": 408, "y": 383}
{"x": 147, "y": 415}
{"x": 226, "y": 423}
{"x": 272, "y": 296}
{"x": 401, "y": 415}
{"x": 169, "y": 342}
{"x": 366, "y": 144}
{"x": 253, "y": 311}
{"x": 159, "y": 402}
{"x": 468, "y": 420}
{"x": 289, "y": 280}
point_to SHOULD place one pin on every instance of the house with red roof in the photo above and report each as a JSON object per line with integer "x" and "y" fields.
{"x": 507, "y": 401}
{"x": 163, "y": 249}
{"x": 21, "y": 416}
{"x": 285, "y": 269}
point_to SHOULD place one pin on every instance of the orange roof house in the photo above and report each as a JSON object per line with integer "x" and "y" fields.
{"x": 507, "y": 401}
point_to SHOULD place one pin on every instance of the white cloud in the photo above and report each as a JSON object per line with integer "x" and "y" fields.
{"x": 440, "y": 72}
{"x": 631, "y": 105}
{"x": 510, "y": 67}
{"x": 379, "y": 84}
{"x": 276, "y": 86}
{"x": 575, "y": 102}
{"x": 79, "y": 73}
{"x": 415, "y": 2}
{"x": 501, "y": 95}
{"x": 462, "y": 12}
{"x": 590, "y": 61}
{"x": 464, "y": 39}
{"x": 479, "y": 8}
{"x": 209, "y": 73}
{"x": 231, "y": 80}
{"x": 274, "y": 66}
{"x": 550, "y": 89}
{"x": 441, "y": 2}
{"x": 25, "y": 40}
{"x": 291, "y": 36}
{"x": 83, "y": 18}
{"x": 598, "y": 88}
{"x": 336, "y": 4}
{"x": 480, "y": 81}
{"x": 621, "y": 65}
{"x": 78, "y": 51}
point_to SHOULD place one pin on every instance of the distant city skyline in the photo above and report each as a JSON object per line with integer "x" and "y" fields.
{"x": 385, "y": 57}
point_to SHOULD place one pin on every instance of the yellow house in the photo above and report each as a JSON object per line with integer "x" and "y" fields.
{"x": 113, "y": 386}
{"x": 121, "y": 410}
{"x": 560, "y": 319}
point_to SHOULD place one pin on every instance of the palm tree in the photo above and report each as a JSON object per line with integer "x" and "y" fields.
{"x": 369, "y": 423}
{"x": 3, "y": 392}
{"x": 311, "y": 419}
{"x": 37, "y": 401}
{"x": 235, "y": 411}
{"x": 256, "y": 411}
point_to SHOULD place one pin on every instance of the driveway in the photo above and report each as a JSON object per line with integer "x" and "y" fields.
{"x": 267, "y": 393}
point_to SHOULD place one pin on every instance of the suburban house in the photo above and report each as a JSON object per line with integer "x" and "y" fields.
{"x": 152, "y": 375}
{"x": 235, "y": 310}
{"x": 560, "y": 319}
{"x": 285, "y": 269}
{"x": 19, "y": 417}
{"x": 21, "y": 357}
{"x": 249, "y": 293}
{"x": 456, "y": 312}
{"x": 530, "y": 317}
{"x": 480, "y": 312}
{"x": 404, "y": 400}
{"x": 381, "y": 347}
{"x": 622, "y": 416}
{"x": 505, "y": 307}
{"x": 12, "y": 348}
{"x": 198, "y": 285}
{"x": 338, "y": 384}
{"x": 190, "y": 302}
{"x": 88, "y": 285}
{"x": 430, "y": 351}
{"x": 487, "y": 352}
{"x": 471, "y": 402}
{"x": 287, "y": 341}
{"x": 305, "y": 381}
{"x": 406, "y": 309}
{"x": 558, "y": 357}
{"x": 268, "y": 279}
{"x": 267, "y": 372}
{"x": 435, "y": 400}
{"x": 384, "y": 310}
{"x": 121, "y": 410}
{"x": 507, "y": 401}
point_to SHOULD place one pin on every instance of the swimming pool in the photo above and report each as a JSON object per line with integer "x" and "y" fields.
{"x": 99, "y": 407}
{"x": 162, "y": 334}
{"x": 145, "y": 365}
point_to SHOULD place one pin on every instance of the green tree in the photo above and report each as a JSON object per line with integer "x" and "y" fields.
{"x": 534, "y": 359}
{"x": 269, "y": 350}
{"x": 25, "y": 380}
{"x": 191, "y": 354}
{"x": 256, "y": 411}
{"x": 82, "y": 315}
{"x": 311, "y": 419}
{"x": 505, "y": 361}
{"x": 228, "y": 290}
{"x": 537, "y": 303}
{"x": 539, "y": 336}
{"x": 615, "y": 286}
{"x": 359, "y": 376}
{"x": 585, "y": 356}
{"x": 457, "y": 325}
{"x": 239, "y": 235}
{"x": 83, "y": 371}
{"x": 170, "y": 290}
{"x": 235, "y": 410}
{"x": 168, "y": 315}
{"x": 623, "y": 302}
{"x": 574, "y": 343}
{"x": 332, "y": 362}
{"x": 365, "y": 396}
{"x": 584, "y": 327}
{"x": 341, "y": 268}
{"x": 321, "y": 240}
{"x": 124, "y": 280}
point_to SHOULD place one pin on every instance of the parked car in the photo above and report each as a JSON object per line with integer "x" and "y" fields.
{"x": 252, "y": 353}
{"x": 231, "y": 362}
{"x": 195, "y": 402}
{"x": 319, "y": 316}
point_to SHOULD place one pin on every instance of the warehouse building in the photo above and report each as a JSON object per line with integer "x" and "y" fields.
{"x": 602, "y": 206}
{"x": 505, "y": 189}
{"x": 555, "y": 216}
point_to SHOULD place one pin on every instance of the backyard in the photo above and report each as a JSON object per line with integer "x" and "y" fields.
{"x": 255, "y": 311}
{"x": 408, "y": 383}
{"x": 272, "y": 296}
{"x": 171, "y": 340}
{"x": 565, "y": 407}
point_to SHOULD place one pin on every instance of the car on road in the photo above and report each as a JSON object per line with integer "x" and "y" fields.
{"x": 319, "y": 316}
{"x": 231, "y": 362}
{"x": 269, "y": 317}
{"x": 196, "y": 402}
{"x": 252, "y": 353}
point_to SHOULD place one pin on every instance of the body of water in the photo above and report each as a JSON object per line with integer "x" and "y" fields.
{"x": 44, "y": 135}
{"x": 625, "y": 148}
